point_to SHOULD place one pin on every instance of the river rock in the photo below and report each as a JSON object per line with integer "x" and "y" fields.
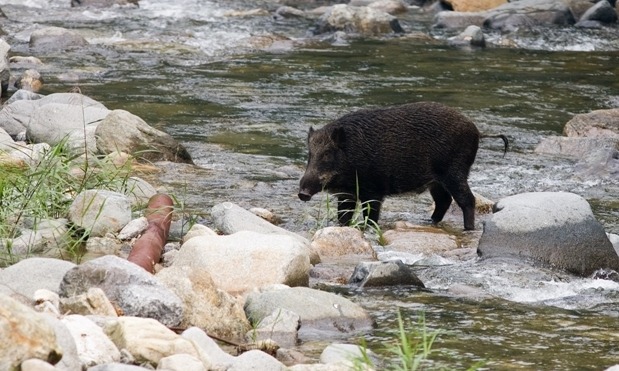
{"x": 22, "y": 94}
{"x": 30, "y": 80}
{"x": 376, "y": 274}
{"x": 15, "y": 116}
{"x": 321, "y": 312}
{"x": 230, "y": 218}
{"x": 553, "y": 228}
{"x": 421, "y": 241}
{"x": 205, "y": 306}
{"x": 5, "y": 71}
{"x": 388, "y": 6}
{"x": 28, "y": 275}
{"x": 135, "y": 291}
{"x": 339, "y": 241}
{"x": 280, "y": 326}
{"x": 50, "y": 238}
{"x": 93, "y": 346}
{"x": 473, "y": 5}
{"x": 181, "y": 362}
{"x": 247, "y": 260}
{"x": 147, "y": 340}
{"x": 595, "y": 124}
{"x": 100, "y": 211}
{"x": 472, "y": 36}
{"x": 122, "y": 131}
{"x": 362, "y": 20}
{"x": 458, "y": 20}
{"x": 25, "y": 334}
{"x": 139, "y": 191}
{"x": 103, "y": 3}
{"x": 256, "y": 360}
{"x": 93, "y": 302}
{"x": 56, "y": 39}
{"x": 6, "y": 142}
{"x": 208, "y": 348}
{"x": 601, "y": 12}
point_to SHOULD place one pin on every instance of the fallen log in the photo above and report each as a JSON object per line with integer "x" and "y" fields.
{"x": 146, "y": 252}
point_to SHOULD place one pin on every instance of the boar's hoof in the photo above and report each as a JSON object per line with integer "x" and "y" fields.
{"x": 304, "y": 196}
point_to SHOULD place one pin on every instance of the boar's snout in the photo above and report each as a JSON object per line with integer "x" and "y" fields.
{"x": 305, "y": 195}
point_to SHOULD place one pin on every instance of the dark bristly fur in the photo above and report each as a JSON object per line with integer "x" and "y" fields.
{"x": 369, "y": 154}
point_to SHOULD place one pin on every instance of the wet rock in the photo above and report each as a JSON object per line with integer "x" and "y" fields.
{"x": 472, "y": 36}
{"x": 339, "y": 241}
{"x": 93, "y": 346}
{"x": 602, "y": 12}
{"x": 125, "y": 132}
{"x": 388, "y": 6}
{"x": 25, "y": 334}
{"x": 579, "y": 7}
{"x": 30, "y": 80}
{"x": 230, "y": 218}
{"x": 93, "y": 302}
{"x": 596, "y": 157}
{"x": 595, "y": 124}
{"x": 100, "y": 211}
{"x": 420, "y": 240}
{"x": 473, "y": 5}
{"x": 246, "y": 260}
{"x": 552, "y": 228}
{"x": 321, "y": 312}
{"x": 103, "y": 3}
{"x": 147, "y": 340}
{"x": 524, "y": 13}
{"x": 29, "y": 275}
{"x": 131, "y": 288}
{"x": 56, "y": 38}
{"x": 205, "y": 306}
{"x": 280, "y": 326}
{"x": 376, "y": 274}
{"x": 362, "y": 20}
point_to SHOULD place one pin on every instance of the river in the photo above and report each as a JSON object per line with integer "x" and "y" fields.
{"x": 242, "y": 105}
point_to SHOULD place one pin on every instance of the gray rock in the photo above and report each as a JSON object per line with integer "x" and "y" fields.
{"x": 246, "y": 260}
{"x": 601, "y": 11}
{"x": 280, "y": 326}
{"x": 362, "y": 20}
{"x": 22, "y": 94}
{"x": 134, "y": 290}
{"x": 341, "y": 353}
{"x": 93, "y": 302}
{"x": 181, "y": 362}
{"x": 6, "y": 142}
{"x": 70, "y": 358}
{"x": 321, "y": 312}
{"x": 100, "y": 211}
{"x": 515, "y": 14}
{"x": 133, "y": 228}
{"x": 25, "y": 334}
{"x": 15, "y": 116}
{"x": 458, "y": 20}
{"x": 555, "y": 229}
{"x": 50, "y": 238}
{"x": 56, "y": 38}
{"x": 230, "y": 218}
{"x": 122, "y": 131}
{"x": 471, "y": 36}
{"x": 53, "y": 122}
{"x": 373, "y": 274}
{"x": 139, "y": 191}
{"x": 27, "y": 276}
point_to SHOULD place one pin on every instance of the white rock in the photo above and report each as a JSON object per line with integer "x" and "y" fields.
{"x": 93, "y": 346}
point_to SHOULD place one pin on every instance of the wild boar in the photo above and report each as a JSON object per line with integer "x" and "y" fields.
{"x": 369, "y": 154}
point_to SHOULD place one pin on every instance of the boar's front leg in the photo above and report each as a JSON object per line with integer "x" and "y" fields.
{"x": 345, "y": 208}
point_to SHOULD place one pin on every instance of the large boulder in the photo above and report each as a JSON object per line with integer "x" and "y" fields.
{"x": 122, "y": 131}
{"x": 552, "y": 228}
{"x": 247, "y": 260}
{"x": 29, "y": 275}
{"x": 135, "y": 291}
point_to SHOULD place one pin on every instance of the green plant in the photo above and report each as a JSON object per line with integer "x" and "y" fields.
{"x": 45, "y": 190}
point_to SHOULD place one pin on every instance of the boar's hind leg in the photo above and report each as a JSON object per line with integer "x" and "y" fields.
{"x": 345, "y": 209}
{"x": 442, "y": 200}
{"x": 461, "y": 192}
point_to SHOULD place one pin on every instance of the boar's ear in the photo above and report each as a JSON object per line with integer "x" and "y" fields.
{"x": 338, "y": 136}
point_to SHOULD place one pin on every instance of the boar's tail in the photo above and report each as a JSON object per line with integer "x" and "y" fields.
{"x": 499, "y": 136}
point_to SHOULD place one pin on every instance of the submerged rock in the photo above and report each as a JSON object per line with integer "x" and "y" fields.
{"x": 552, "y": 228}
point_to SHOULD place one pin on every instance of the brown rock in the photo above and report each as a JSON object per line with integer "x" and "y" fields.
{"x": 473, "y": 5}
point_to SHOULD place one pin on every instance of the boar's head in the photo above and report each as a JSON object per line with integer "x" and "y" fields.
{"x": 325, "y": 162}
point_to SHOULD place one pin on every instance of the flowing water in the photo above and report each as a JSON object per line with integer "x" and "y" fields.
{"x": 241, "y": 98}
